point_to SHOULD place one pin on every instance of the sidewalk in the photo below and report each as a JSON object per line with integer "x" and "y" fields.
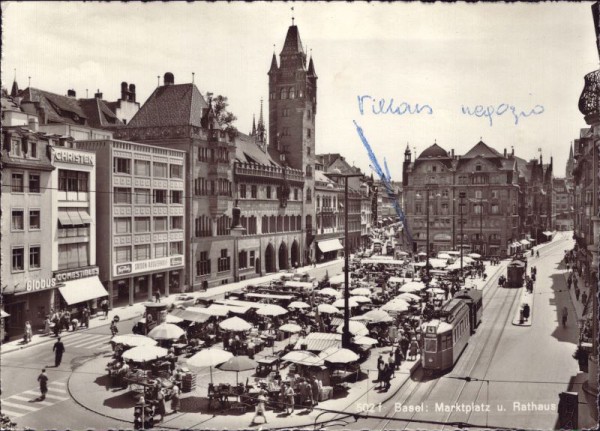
{"x": 129, "y": 312}
{"x": 89, "y": 387}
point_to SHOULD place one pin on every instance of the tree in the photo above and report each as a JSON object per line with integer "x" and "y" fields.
{"x": 223, "y": 117}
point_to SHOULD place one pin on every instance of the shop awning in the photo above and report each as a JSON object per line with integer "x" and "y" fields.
{"x": 85, "y": 217}
{"x": 330, "y": 245}
{"x": 82, "y": 289}
{"x": 548, "y": 233}
{"x": 64, "y": 219}
{"x": 3, "y": 314}
{"x": 525, "y": 242}
{"x": 75, "y": 217}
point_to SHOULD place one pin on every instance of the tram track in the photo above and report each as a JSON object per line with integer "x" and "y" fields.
{"x": 415, "y": 398}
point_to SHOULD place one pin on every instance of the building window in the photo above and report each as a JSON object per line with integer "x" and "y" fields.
{"x": 34, "y": 257}
{"x": 18, "y": 220}
{"x": 285, "y": 112}
{"x": 418, "y": 208}
{"x": 122, "y": 225}
{"x": 16, "y": 149}
{"x": 445, "y": 193}
{"x": 242, "y": 191}
{"x": 283, "y": 93}
{"x": 160, "y": 196}
{"x": 495, "y": 209}
{"x": 243, "y": 259}
{"x": 203, "y": 264}
{"x": 494, "y": 194}
{"x": 160, "y": 250}
{"x": 224, "y": 262}
{"x": 176, "y": 171}
{"x": 34, "y": 183}
{"x": 142, "y": 224}
{"x": 223, "y": 225}
{"x": 478, "y": 194}
{"x": 203, "y": 226}
{"x": 308, "y": 193}
{"x": 308, "y": 112}
{"x": 72, "y": 181}
{"x": 309, "y": 171}
{"x": 34, "y": 219}
{"x": 308, "y": 150}
{"x": 121, "y": 165}
{"x": 252, "y": 258}
{"x": 122, "y": 195}
{"x": 253, "y": 191}
{"x": 142, "y": 168}
{"x": 269, "y": 192}
{"x": 142, "y": 252}
{"x": 160, "y": 170}
{"x": 122, "y": 254}
{"x": 176, "y": 196}
{"x": 160, "y": 224}
{"x": 285, "y": 131}
{"x": 177, "y": 222}
{"x": 295, "y": 194}
{"x": 142, "y": 196}
{"x": 176, "y": 248}
{"x": 477, "y": 208}
{"x": 18, "y": 260}
{"x": 292, "y": 93}
{"x": 73, "y": 255}
{"x": 478, "y": 168}
{"x": 17, "y": 183}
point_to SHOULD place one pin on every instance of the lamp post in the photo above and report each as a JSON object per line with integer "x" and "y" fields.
{"x": 236, "y": 231}
{"x": 481, "y": 225}
{"x": 461, "y": 196}
{"x": 346, "y": 336}
{"x": 428, "y": 188}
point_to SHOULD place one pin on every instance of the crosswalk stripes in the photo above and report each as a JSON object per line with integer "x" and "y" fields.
{"x": 87, "y": 341}
{"x": 26, "y": 402}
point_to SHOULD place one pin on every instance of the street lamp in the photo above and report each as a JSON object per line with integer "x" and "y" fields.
{"x": 461, "y": 196}
{"x": 237, "y": 230}
{"x": 428, "y": 188}
{"x": 346, "y": 336}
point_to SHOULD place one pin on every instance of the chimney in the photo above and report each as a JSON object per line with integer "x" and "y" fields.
{"x": 169, "y": 79}
{"x": 71, "y": 93}
{"x": 452, "y": 153}
{"x": 33, "y": 123}
{"x": 124, "y": 93}
{"x": 98, "y": 95}
{"x": 132, "y": 92}
{"x": 505, "y": 153}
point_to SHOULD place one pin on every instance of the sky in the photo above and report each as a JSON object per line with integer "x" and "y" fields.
{"x": 432, "y": 64}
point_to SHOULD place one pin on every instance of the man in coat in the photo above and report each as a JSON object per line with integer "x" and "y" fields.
{"x": 59, "y": 349}
{"x": 43, "y": 379}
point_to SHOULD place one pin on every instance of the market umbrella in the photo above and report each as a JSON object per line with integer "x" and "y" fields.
{"x": 145, "y": 353}
{"x": 217, "y": 310}
{"x": 192, "y": 314}
{"x": 360, "y": 299}
{"x": 340, "y": 303}
{"x": 408, "y": 297}
{"x": 166, "y": 331}
{"x": 378, "y": 316}
{"x": 3, "y": 314}
{"x": 361, "y": 291}
{"x": 291, "y": 328}
{"x": 355, "y": 327}
{"x": 474, "y": 255}
{"x": 235, "y": 324}
{"x": 396, "y": 305}
{"x": 444, "y": 256}
{"x": 271, "y": 310}
{"x": 364, "y": 341}
{"x": 402, "y": 253}
{"x": 133, "y": 340}
{"x": 299, "y": 304}
{"x": 329, "y": 291}
{"x": 303, "y": 357}
{"x": 209, "y": 358}
{"x": 336, "y": 355}
{"x": 327, "y": 308}
{"x": 169, "y": 319}
{"x": 412, "y": 286}
{"x": 422, "y": 253}
{"x": 436, "y": 290}
{"x": 237, "y": 364}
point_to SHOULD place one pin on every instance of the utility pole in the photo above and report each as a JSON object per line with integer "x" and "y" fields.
{"x": 461, "y": 196}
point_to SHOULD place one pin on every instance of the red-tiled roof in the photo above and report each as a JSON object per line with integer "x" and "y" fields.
{"x": 483, "y": 150}
{"x": 171, "y": 105}
{"x": 59, "y": 109}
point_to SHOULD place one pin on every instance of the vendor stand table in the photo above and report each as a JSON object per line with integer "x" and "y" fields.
{"x": 267, "y": 364}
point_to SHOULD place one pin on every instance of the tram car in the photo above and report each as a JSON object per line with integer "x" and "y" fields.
{"x": 445, "y": 338}
{"x": 474, "y": 299}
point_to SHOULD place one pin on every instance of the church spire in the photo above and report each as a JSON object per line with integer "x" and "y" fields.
{"x": 14, "y": 92}
{"x": 274, "y": 66}
{"x": 260, "y": 129}
{"x": 311, "y": 67}
{"x": 253, "y": 133}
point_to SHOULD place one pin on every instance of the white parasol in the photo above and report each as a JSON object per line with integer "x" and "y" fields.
{"x": 236, "y": 324}
{"x": 166, "y": 331}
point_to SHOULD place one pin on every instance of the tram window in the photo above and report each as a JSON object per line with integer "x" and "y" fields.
{"x": 446, "y": 341}
{"x": 430, "y": 345}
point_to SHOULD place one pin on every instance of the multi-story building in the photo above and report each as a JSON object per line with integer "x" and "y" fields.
{"x": 535, "y": 211}
{"x": 562, "y": 204}
{"x": 329, "y": 216}
{"x": 469, "y": 201}
{"x": 140, "y": 208}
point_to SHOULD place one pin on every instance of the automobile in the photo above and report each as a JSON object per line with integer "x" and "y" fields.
{"x": 184, "y": 300}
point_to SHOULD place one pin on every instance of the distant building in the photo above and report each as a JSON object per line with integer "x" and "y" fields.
{"x": 562, "y": 204}
{"x": 329, "y": 217}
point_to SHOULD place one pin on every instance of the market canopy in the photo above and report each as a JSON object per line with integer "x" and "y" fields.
{"x": 360, "y": 299}
{"x": 3, "y": 314}
{"x": 412, "y": 286}
{"x": 304, "y": 285}
{"x": 271, "y": 310}
{"x": 145, "y": 353}
{"x": 355, "y": 328}
{"x": 328, "y": 309}
{"x": 329, "y": 291}
{"x": 409, "y": 297}
{"x": 444, "y": 256}
{"x": 235, "y": 324}
{"x": 548, "y": 233}
{"x": 303, "y": 357}
{"x": 365, "y": 341}
{"x": 191, "y": 314}
{"x": 361, "y": 291}
{"x": 299, "y": 304}
{"x": 171, "y": 318}
{"x": 82, "y": 289}
{"x": 340, "y": 303}
{"x": 166, "y": 331}
{"x": 335, "y": 355}
{"x": 474, "y": 255}
{"x": 319, "y": 341}
{"x": 396, "y": 305}
{"x": 292, "y": 328}
{"x": 210, "y": 357}
{"x": 330, "y": 245}
{"x": 133, "y": 340}
{"x": 378, "y": 316}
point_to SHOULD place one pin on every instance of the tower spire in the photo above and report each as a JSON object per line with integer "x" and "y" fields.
{"x": 253, "y": 133}
{"x": 14, "y": 92}
{"x": 292, "y": 15}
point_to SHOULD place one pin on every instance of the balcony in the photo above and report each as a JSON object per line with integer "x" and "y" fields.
{"x": 268, "y": 172}
{"x": 589, "y": 101}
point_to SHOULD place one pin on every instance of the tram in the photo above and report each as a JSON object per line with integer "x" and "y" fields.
{"x": 445, "y": 338}
{"x": 474, "y": 299}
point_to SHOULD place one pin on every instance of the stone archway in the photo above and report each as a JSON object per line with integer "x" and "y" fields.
{"x": 270, "y": 259}
{"x": 295, "y": 253}
{"x": 283, "y": 256}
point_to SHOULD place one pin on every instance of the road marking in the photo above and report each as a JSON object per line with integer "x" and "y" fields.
{"x": 44, "y": 403}
{"x": 84, "y": 339}
{"x": 10, "y": 413}
{"x": 59, "y": 383}
{"x": 92, "y": 343}
{"x": 19, "y": 406}
{"x": 56, "y": 397}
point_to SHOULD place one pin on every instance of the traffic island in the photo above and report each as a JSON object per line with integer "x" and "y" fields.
{"x": 524, "y": 313}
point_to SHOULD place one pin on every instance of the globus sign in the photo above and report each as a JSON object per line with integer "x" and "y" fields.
{"x": 40, "y": 284}
{"x": 147, "y": 265}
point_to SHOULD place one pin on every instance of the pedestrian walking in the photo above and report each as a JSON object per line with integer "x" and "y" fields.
{"x": 43, "y": 380}
{"x": 158, "y": 295}
{"x": 398, "y": 356}
{"x": 175, "y": 399}
{"x": 565, "y": 316}
{"x": 584, "y": 298}
{"x": 413, "y": 349}
{"x": 380, "y": 368}
{"x": 577, "y": 292}
{"x": 260, "y": 408}
{"x": 289, "y": 399}
{"x": 47, "y": 323}
{"x": 85, "y": 320}
{"x": 392, "y": 363}
{"x": 59, "y": 349}
{"x": 104, "y": 305}
{"x": 28, "y": 332}
{"x": 387, "y": 377}
{"x": 161, "y": 408}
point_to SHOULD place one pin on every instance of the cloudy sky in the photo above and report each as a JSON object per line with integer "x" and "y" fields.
{"x": 450, "y": 57}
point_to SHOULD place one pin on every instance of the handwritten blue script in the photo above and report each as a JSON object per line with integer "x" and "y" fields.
{"x": 501, "y": 109}
{"x": 386, "y": 179}
{"x": 383, "y": 107}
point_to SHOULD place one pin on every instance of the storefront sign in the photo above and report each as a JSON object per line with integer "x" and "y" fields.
{"x": 148, "y": 265}
{"x": 73, "y": 275}
{"x": 33, "y": 285}
{"x": 75, "y": 157}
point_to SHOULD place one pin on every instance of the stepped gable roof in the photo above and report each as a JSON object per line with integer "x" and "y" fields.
{"x": 171, "y": 105}
{"x": 59, "y": 109}
{"x": 248, "y": 151}
{"x": 99, "y": 114}
{"x": 483, "y": 150}
{"x": 434, "y": 151}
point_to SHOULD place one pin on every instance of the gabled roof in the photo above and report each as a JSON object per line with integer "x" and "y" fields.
{"x": 483, "y": 150}
{"x": 58, "y": 109}
{"x": 433, "y": 151}
{"x": 99, "y": 114}
{"x": 292, "y": 44}
{"x": 248, "y": 151}
{"x": 171, "y": 105}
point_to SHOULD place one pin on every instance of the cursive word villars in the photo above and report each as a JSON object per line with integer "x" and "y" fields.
{"x": 383, "y": 106}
